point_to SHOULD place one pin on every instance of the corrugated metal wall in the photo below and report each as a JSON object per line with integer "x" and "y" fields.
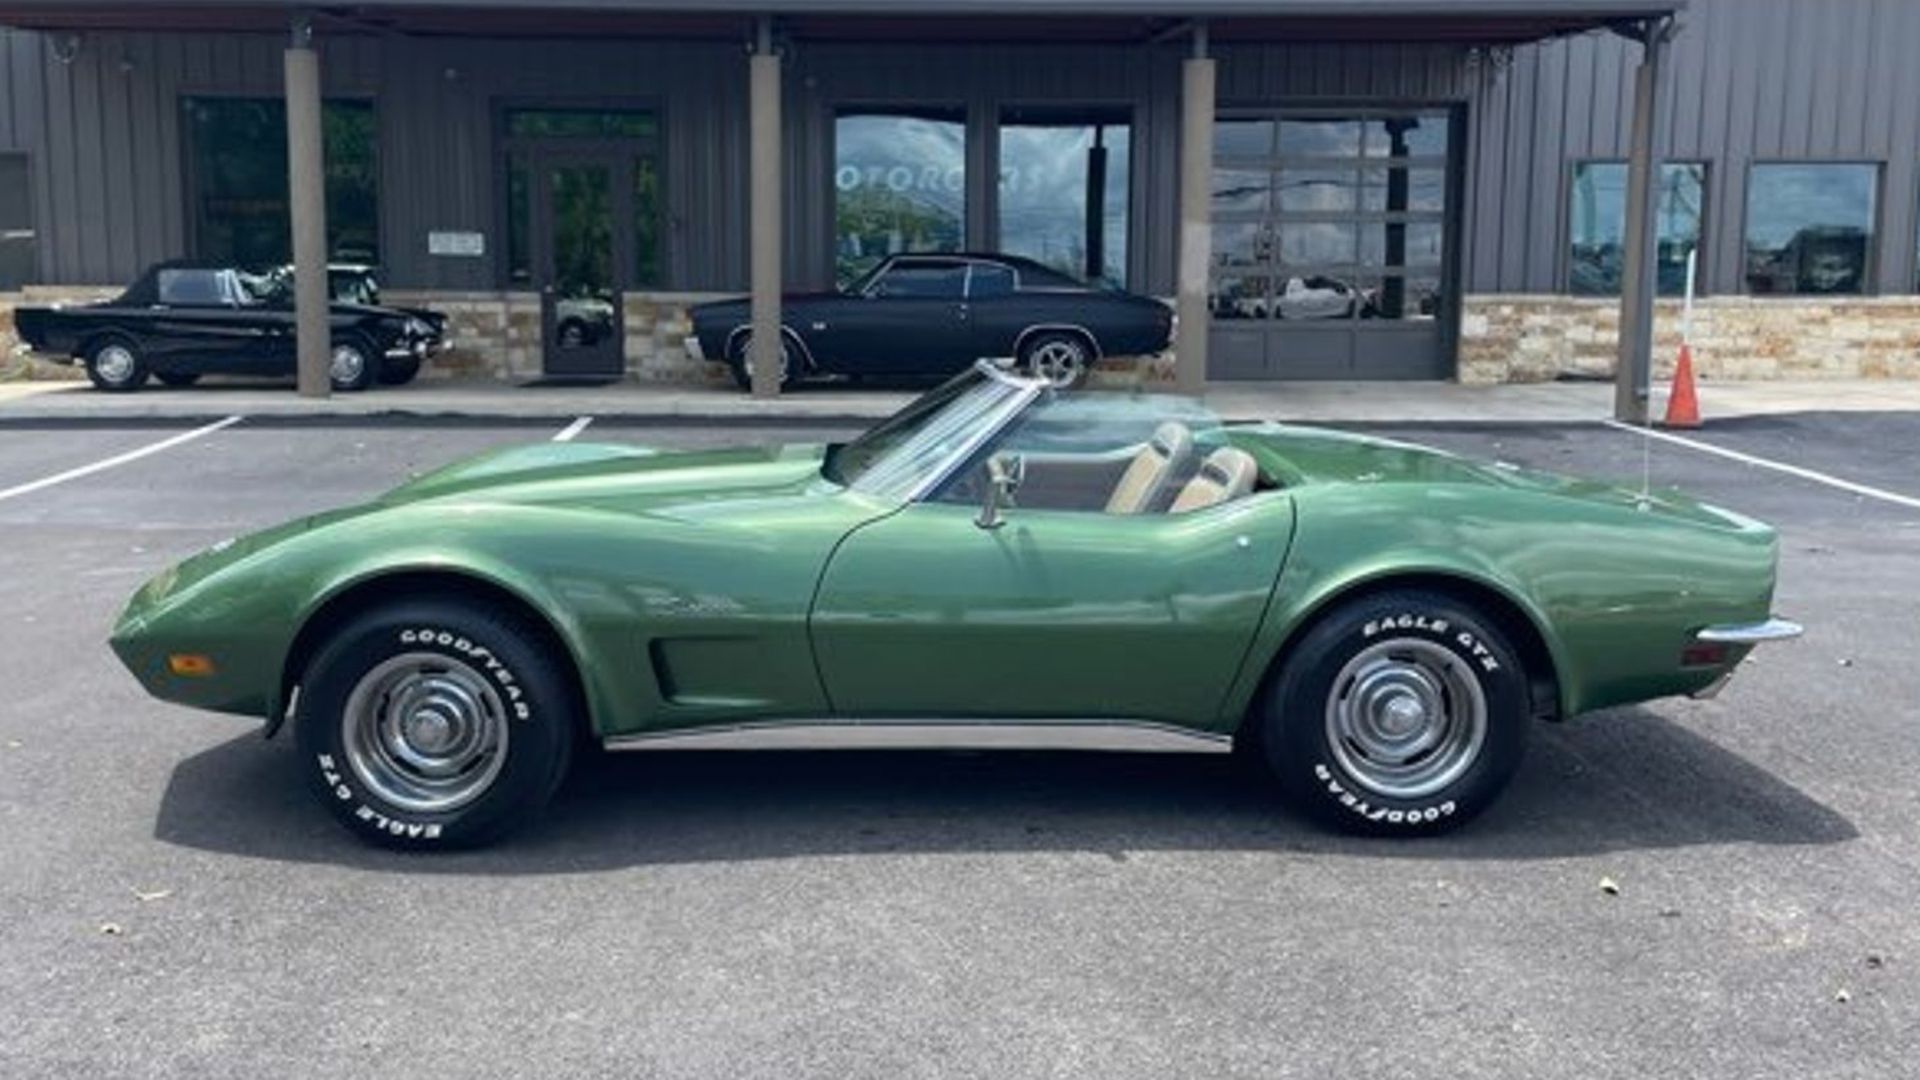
{"x": 1750, "y": 79}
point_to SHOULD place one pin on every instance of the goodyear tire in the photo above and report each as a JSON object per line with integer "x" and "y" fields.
{"x": 1400, "y": 714}
{"x": 428, "y": 725}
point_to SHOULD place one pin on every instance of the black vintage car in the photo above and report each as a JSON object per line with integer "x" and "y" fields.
{"x": 184, "y": 319}
{"x": 935, "y": 314}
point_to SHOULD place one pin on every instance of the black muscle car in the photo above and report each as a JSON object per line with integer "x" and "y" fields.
{"x": 184, "y": 319}
{"x": 935, "y": 314}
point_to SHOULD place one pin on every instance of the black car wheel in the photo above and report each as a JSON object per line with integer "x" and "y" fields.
{"x": 432, "y": 724}
{"x": 573, "y": 334}
{"x": 1401, "y": 714}
{"x": 115, "y": 365}
{"x": 743, "y": 376}
{"x": 179, "y": 379}
{"x": 1060, "y": 358}
{"x": 399, "y": 372}
{"x": 351, "y": 365}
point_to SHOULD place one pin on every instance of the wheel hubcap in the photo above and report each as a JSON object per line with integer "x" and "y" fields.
{"x": 1406, "y": 718}
{"x": 1058, "y": 362}
{"x": 114, "y": 363}
{"x": 347, "y": 363}
{"x": 425, "y": 732}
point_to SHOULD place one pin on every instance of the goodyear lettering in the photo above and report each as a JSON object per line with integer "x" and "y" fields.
{"x": 1424, "y": 815}
{"x": 480, "y": 654}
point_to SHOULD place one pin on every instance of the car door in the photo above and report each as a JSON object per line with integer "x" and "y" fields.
{"x": 1054, "y": 614}
{"x": 911, "y": 319}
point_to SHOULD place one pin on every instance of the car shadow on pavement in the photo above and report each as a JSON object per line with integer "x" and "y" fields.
{"x": 1623, "y": 780}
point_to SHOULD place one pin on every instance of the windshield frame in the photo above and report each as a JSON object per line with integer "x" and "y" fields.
{"x": 992, "y": 397}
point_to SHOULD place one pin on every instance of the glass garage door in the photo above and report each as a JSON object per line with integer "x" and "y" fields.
{"x": 1332, "y": 244}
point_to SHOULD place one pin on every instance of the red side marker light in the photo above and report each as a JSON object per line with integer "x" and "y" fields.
{"x": 190, "y": 665}
{"x": 1703, "y": 654}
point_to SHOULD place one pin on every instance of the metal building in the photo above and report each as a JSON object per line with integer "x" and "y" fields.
{"x": 1327, "y": 189}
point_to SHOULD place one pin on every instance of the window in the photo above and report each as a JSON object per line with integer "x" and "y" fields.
{"x": 17, "y": 238}
{"x": 1064, "y": 180}
{"x": 237, "y": 178}
{"x": 989, "y": 280}
{"x": 1810, "y": 227}
{"x": 1597, "y": 212}
{"x": 1336, "y": 217}
{"x": 195, "y": 288}
{"x": 916, "y": 280}
{"x": 900, "y": 184}
{"x": 545, "y": 148}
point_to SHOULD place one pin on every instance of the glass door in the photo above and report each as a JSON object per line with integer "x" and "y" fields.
{"x": 579, "y": 206}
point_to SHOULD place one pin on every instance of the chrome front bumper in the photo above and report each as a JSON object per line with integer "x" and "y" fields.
{"x": 693, "y": 348}
{"x": 1746, "y": 634}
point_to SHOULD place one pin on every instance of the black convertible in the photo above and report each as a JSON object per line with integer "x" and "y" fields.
{"x": 935, "y": 314}
{"x": 181, "y": 320}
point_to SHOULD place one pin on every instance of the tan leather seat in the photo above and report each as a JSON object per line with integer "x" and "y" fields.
{"x": 1227, "y": 474}
{"x": 1165, "y": 454}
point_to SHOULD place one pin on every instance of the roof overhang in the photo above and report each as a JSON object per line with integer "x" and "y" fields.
{"x": 1476, "y": 21}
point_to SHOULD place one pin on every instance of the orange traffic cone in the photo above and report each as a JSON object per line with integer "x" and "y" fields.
{"x": 1683, "y": 406}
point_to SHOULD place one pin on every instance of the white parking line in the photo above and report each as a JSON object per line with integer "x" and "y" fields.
{"x": 117, "y": 459}
{"x": 568, "y": 433}
{"x": 1777, "y": 466}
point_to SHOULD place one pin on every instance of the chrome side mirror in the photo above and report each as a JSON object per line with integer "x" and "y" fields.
{"x": 1004, "y": 475}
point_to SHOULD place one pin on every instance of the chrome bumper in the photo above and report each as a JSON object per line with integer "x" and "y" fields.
{"x": 1748, "y": 634}
{"x": 693, "y": 348}
{"x": 1751, "y": 633}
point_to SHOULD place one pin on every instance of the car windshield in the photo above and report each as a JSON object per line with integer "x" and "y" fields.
{"x": 903, "y": 454}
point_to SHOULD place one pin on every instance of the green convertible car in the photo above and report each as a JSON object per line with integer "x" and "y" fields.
{"x": 1377, "y": 624}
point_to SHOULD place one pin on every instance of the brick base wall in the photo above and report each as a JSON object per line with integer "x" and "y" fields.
{"x": 1536, "y": 338}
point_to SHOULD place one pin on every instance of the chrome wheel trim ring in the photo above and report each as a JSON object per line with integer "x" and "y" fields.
{"x": 785, "y": 372}
{"x": 572, "y": 336}
{"x": 1405, "y": 718}
{"x": 1059, "y": 361}
{"x": 114, "y": 363}
{"x": 425, "y": 732}
{"x": 346, "y": 364}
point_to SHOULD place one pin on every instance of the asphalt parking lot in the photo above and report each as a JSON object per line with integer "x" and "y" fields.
{"x": 171, "y": 904}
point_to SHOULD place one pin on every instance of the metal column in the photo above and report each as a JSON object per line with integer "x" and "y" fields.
{"x": 1634, "y": 370}
{"x": 307, "y": 204}
{"x": 1197, "y": 78}
{"x": 763, "y": 355}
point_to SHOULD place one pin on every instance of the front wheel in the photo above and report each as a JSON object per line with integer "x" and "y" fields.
{"x": 1405, "y": 713}
{"x": 1059, "y": 358}
{"x": 431, "y": 724}
{"x": 350, "y": 364}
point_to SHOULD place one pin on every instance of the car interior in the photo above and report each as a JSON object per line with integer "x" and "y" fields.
{"x": 1172, "y": 471}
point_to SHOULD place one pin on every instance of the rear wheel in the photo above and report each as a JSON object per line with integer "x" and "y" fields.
{"x": 115, "y": 365}
{"x": 1405, "y": 713}
{"x": 431, "y": 724}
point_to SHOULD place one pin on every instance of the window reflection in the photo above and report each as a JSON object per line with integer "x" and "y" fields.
{"x": 1597, "y": 214}
{"x": 239, "y": 180}
{"x": 900, "y": 184}
{"x": 1064, "y": 182}
{"x": 1809, "y": 228}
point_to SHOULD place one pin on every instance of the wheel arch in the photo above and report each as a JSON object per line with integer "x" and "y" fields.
{"x": 1075, "y": 329}
{"x": 788, "y": 332}
{"x": 400, "y": 585}
{"x": 1539, "y": 654}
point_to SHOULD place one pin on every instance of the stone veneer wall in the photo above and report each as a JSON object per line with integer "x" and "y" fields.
{"x": 1536, "y": 338}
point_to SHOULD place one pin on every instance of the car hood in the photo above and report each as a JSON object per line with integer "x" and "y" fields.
{"x": 603, "y": 473}
{"x": 1301, "y": 456}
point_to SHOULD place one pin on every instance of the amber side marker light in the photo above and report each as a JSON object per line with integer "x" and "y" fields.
{"x": 190, "y": 665}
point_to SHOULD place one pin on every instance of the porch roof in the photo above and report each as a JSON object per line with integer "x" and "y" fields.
{"x": 1477, "y": 21}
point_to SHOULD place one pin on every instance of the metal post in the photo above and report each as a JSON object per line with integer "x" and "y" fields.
{"x": 307, "y": 206}
{"x": 764, "y": 218}
{"x": 1196, "y": 236}
{"x": 1634, "y": 371}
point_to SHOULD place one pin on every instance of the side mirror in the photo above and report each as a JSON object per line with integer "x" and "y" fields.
{"x": 1005, "y": 472}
